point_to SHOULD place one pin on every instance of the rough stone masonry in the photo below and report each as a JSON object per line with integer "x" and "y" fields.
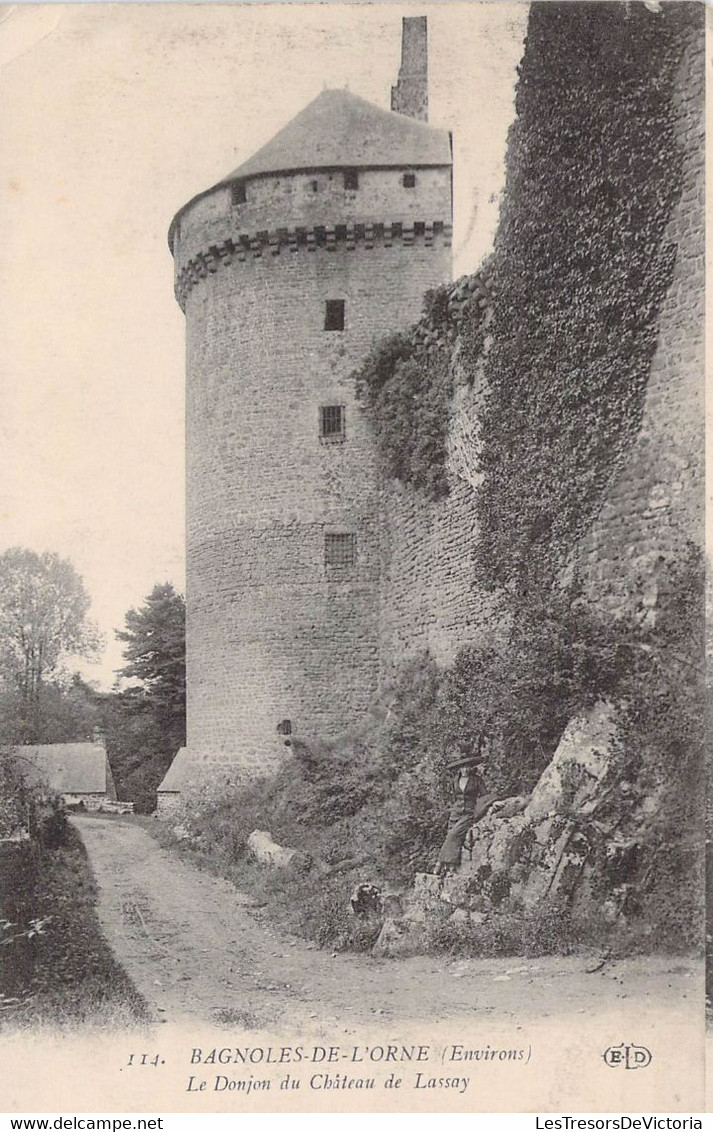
{"x": 288, "y": 271}
{"x": 307, "y": 573}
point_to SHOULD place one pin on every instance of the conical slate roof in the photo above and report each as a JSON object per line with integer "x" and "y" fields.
{"x": 339, "y": 129}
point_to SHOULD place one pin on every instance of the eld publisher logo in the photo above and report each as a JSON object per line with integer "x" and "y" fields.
{"x": 627, "y": 1057}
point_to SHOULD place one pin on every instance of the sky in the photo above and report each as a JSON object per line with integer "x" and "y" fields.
{"x": 113, "y": 117}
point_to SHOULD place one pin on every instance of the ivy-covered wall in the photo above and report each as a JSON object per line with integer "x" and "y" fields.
{"x": 411, "y": 388}
{"x": 584, "y": 258}
{"x": 559, "y": 561}
{"x": 656, "y": 500}
{"x": 573, "y": 415}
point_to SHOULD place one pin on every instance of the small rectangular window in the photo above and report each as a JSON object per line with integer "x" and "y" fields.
{"x": 339, "y": 550}
{"x": 314, "y": 185}
{"x": 331, "y": 422}
{"x": 237, "y": 192}
{"x": 351, "y": 179}
{"x": 334, "y": 314}
{"x": 409, "y": 180}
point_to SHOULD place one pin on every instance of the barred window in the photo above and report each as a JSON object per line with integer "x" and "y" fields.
{"x": 284, "y": 727}
{"x": 238, "y": 194}
{"x": 351, "y": 179}
{"x": 332, "y": 422}
{"x": 334, "y": 314}
{"x": 339, "y": 550}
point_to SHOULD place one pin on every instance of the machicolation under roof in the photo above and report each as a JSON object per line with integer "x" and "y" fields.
{"x": 340, "y": 130}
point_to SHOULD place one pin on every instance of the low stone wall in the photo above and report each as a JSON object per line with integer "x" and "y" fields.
{"x": 93, "y": 802}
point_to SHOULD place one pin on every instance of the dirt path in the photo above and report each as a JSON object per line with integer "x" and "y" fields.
{"x": 196, "y": 949}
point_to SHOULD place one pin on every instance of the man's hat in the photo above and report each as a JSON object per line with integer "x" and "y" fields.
{"x": 457, "y": 761}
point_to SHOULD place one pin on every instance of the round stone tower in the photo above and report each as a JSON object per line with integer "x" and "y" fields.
{"x": 289, "y": 271}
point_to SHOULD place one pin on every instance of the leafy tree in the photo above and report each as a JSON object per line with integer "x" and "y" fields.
{"x": 43, "y": 621}
{"x": 68, "y": 712}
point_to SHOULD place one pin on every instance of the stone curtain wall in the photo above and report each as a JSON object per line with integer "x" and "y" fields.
{"x": 657, "y": 500}
{"x": 272, "y": 632}
{"x": 428, "y": 600}
{"x": 428, "y": 594}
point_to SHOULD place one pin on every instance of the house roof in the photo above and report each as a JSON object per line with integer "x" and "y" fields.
{"x": 69, "y": 768}
{"x": 179, "y": 774}
{"x": 340, "y": 129}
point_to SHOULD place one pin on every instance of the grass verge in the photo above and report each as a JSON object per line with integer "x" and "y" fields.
{"x": 57, "y": 969}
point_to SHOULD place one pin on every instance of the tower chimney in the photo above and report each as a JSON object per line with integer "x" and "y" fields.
{"x": 410, "y": 95}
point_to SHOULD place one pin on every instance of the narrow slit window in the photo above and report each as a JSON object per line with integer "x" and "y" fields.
{"x": 409, "y": 180}
{"x": 334, "y": 314}
{"x": 340, "y": 550}
{"x": 332, "y": 422}
{"x": 351, "y": 179}
{"x": 238, "y": 194}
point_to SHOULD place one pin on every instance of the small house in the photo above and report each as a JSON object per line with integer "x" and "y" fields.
{"x": 80, "y": 772}
{"x": 177, "y": 778}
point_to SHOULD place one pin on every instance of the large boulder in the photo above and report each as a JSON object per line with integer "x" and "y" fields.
{"x": 521, "y": 830}
{"x": 581, "y": 761}
{"x": 398, "y": 937}
{"x": 265, "y": 851}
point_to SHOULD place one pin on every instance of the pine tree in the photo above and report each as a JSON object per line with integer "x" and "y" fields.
{"x": 148, "y": 721}
{"x": 155, "y": 638}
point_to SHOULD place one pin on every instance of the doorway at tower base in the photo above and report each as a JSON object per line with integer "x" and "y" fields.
{"x": 193, "y": 771}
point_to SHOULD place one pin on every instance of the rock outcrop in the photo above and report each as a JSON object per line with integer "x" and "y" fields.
{"x": 530, "y": 849}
